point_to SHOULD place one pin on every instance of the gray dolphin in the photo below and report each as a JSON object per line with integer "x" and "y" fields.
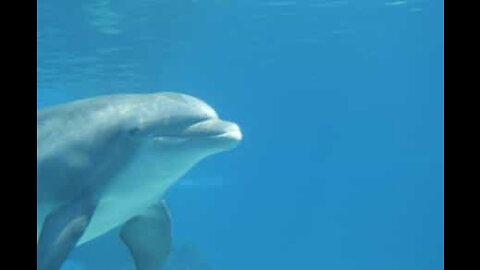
{"x": 107, "y": 161}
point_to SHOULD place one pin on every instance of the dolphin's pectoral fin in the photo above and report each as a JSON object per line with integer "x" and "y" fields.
{"x": 61, "y": 231}
{"x": 148, "y": 237}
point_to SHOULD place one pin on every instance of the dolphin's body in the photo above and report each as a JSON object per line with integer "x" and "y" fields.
{"x": 106, "y": 161}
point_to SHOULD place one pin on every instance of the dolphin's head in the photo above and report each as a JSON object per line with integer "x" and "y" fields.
{"x": 181, "y": 125}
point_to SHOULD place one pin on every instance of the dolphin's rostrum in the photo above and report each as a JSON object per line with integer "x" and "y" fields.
{"x": 106, "y": 161}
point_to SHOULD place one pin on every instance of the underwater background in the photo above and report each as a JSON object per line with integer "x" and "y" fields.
{"x": 341, "y": 107}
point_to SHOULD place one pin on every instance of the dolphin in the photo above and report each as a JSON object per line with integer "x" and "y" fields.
{"x": 107, "y": 161}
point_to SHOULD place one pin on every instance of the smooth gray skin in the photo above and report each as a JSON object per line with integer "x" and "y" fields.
{"x": 107, "y": 161}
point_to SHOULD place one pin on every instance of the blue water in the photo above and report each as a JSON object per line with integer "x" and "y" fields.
{"x": 340, "y": 103}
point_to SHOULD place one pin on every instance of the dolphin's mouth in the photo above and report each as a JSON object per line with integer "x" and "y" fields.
{"x": 211, "y": 129}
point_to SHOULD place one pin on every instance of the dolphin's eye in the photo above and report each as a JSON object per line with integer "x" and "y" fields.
{"x": 133, "y": 131}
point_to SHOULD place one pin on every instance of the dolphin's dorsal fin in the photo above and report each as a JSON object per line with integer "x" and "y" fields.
{"x": 148, "y": 237}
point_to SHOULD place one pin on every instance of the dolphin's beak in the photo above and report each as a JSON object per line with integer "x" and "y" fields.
{"x": 215, "y": 129}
